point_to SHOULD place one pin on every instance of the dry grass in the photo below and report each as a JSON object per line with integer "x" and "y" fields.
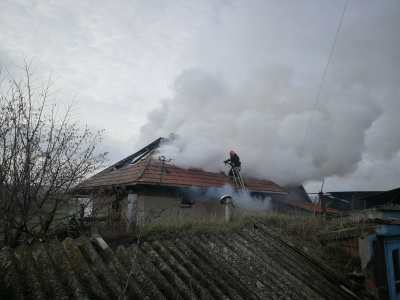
{"x": 301, "y": 229}
{"x": 304, "y": 229}
{"x": 152, "y": 232}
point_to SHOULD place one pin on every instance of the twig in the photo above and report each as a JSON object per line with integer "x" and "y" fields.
{"x": 131, "y": 270}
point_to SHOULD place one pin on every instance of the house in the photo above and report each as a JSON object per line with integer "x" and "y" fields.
{"x": 298, "y": 201}
{"x": 254, "y": 263}
{"x": 389, "y": 198}
{"x": 146, "y": 187}
{"x": 346, "y": 201}
{"x": 304, "y": 207}
{"x": 366, "y": 204}
{"x": 383, "y": 205}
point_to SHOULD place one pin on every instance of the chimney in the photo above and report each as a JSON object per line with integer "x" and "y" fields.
{"x": 228, "y": 202}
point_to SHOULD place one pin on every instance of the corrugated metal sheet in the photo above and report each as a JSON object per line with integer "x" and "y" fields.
{"x": 253, "y": 264}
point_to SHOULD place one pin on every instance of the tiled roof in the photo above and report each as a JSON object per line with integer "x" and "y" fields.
{"x": 148, "y": 170}
{"x": 255, "y": 263}
{"x": 128, "y": 174}
{"x": 311, "y": 206}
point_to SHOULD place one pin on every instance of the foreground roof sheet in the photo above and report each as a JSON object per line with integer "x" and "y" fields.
{"x": 255, "y": 263}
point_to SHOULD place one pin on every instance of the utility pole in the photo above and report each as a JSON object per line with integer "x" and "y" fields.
{"x": 322, "y": 199}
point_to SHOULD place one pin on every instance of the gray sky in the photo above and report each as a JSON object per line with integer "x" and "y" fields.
{"x": 228, "y": 75}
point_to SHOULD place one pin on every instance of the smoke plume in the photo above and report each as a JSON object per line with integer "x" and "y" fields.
{"x": 271, "y": 116}
{"x": 243, "y": 201}
{"x": 267, "y": 126}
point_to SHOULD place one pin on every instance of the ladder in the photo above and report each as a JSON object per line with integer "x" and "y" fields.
{"x": 238, "y": 179}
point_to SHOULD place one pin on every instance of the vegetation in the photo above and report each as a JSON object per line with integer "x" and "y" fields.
{"x": 304, "y": 227}
{"x": 304, "y": 231}
{"x": 170, "y": 230}
{"x": 44, "y": 152}
{"x": 299, "y": 229}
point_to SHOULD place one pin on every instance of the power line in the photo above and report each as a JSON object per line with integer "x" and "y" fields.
{"x": 319, "y": 93}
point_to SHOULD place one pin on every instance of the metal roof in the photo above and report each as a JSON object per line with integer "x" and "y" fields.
{"x": 255, "y": 263}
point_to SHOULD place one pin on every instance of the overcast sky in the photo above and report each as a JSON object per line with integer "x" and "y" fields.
{"x": 228, "y": 75}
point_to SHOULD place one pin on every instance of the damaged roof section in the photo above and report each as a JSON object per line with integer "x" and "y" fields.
{"x": 142, "y": 168}
{"x": 141, "y": 154}
{"x": 255, "y": 263}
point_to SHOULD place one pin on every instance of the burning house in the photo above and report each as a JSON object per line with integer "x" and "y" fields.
{"x": 146, "y": 187}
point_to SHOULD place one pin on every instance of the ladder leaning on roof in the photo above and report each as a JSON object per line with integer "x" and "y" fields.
{"x": 238, "y": 179}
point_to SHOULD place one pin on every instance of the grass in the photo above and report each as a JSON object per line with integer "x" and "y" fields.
{"x": 304, "y": 231}
{"x": 153, "y": 232}
{"x": 304, "y": 227}
{"x": 301, "y": 229}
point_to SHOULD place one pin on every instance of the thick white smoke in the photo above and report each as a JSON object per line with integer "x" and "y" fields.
{"x": 267, "y": 126}
{"x": 242, "y": 201}
{"x": 264, "y": 113}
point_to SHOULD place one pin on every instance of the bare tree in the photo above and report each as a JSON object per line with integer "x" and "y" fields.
{"x": 44, "y": 153}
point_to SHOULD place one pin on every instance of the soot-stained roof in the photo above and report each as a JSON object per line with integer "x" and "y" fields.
{"x": 255, "y": 263}
{"x": 142, "y": 168}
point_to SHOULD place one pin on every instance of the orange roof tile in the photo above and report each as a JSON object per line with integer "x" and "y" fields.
{"x": 147, "y": 170}
{"x": 310, "y": 206}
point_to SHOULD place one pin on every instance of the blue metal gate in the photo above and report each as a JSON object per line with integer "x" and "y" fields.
{"x": 392, "y": 249}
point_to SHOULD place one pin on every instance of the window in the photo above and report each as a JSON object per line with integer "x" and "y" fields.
{"x": 186, "y": 199}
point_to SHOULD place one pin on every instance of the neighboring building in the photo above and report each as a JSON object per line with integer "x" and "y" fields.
{"x": 148, "y": 188}
{"x": 346, "y": 201}
{"x": 383, "y": 212}
{"x": 380, "y": 260}
{"x": 304, "y": 207}
{"x": 384, "y": 205}
{"x": 376, "y": 245}
{"x": 366, "y": 204}
{"x": 298, "y": 201}
{"x": 389, "y": 198}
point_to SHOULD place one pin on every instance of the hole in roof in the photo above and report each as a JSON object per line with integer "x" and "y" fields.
{"x": 134, "y": 158}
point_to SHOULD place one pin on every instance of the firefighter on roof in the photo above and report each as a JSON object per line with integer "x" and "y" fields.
{"x": 235, "y": 163}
